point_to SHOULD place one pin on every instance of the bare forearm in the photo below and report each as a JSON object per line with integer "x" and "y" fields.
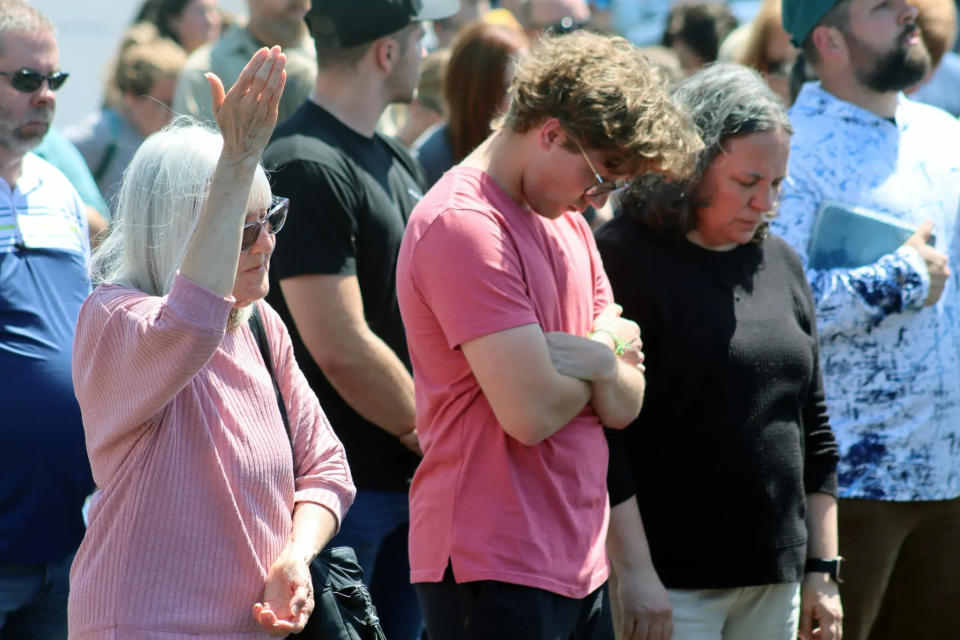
{"x": 313, "y": 526}
{"x": 531, "y": 396}
{"x": 370, "y": 377}
{"x": 617, "y": 400}
{"x": 555, "y": 408}
{"x": 822, "y": 526}
{"x": 627, "y": 540}
{"x": 211, "y": 258}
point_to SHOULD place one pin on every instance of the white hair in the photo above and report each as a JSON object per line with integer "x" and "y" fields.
{"x": 20, "y": 16}
{"x": 161, "y": 197}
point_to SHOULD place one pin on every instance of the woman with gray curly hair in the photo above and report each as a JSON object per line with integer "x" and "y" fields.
{"x": 725, "y": 485}
{"x": 208, "y": 512}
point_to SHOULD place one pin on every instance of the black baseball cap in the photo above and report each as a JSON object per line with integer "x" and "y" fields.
{"x": 348, "y": 23}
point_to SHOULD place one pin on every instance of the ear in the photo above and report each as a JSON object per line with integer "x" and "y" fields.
{"x": 385, "y": 52}
{"x": 830, "y": 43}
{"x": 550, "y": 133}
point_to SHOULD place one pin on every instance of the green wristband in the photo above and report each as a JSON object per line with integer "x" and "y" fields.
{"x": 619, "y": 345}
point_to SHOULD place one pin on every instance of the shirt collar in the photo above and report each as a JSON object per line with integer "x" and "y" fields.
{"x": 814, "y": 100}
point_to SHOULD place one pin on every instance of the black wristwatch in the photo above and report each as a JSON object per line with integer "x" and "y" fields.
{"x": 830, "y": 567}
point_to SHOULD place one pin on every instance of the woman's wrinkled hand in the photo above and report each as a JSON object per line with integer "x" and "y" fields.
{"x": 287, "y": 597}
{"x": 247, "y": 113}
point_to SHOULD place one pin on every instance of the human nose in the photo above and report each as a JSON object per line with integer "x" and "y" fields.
{"x": 909, "y": 13}
{"x": 597, "y": 201}
{"x": 765, "y": 200}
{"x": 44, "y": 95}
{"x": 265, "y": 241}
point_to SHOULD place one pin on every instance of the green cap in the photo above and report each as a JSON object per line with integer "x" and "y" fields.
{"x": 801, "y": 16}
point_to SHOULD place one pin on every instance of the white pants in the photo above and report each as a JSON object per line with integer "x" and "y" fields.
{"x": 767, "y": 612}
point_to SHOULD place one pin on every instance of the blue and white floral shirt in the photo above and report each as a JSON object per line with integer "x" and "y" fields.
{"x": 891, "y": 366}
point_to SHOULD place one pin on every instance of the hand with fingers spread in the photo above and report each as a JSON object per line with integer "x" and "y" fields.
{"x": 247, "y": 113}
{"x": 287, "y": 597}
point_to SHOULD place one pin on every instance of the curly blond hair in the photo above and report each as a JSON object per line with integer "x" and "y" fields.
{"x": 606, "y": 96}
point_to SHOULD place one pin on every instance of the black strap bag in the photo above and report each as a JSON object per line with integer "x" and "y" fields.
{"x": 343, "y": 609}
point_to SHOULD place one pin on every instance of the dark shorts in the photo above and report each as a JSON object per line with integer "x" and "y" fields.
{"x": 487, "y": 609}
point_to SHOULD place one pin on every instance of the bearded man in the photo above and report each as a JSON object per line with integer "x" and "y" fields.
{"x": 890, "y": 341}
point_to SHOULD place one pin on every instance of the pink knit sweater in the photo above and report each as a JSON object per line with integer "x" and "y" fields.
{"x": 186, "y": 442}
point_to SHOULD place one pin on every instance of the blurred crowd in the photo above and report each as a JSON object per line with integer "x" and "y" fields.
{"x": 654, "y": 382}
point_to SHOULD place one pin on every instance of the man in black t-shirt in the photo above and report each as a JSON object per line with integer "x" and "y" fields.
{"x": 333, "y": 278}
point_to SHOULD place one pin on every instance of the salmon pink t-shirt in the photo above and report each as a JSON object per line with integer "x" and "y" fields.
{"x": 473, "y": 262}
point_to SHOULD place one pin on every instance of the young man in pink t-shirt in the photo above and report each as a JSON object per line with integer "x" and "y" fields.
{"x": 519, "y": 354}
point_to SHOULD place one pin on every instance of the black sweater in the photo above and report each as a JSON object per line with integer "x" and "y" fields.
{"x": 734, "y": 432}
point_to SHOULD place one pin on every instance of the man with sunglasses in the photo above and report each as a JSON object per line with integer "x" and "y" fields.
{"x": 520, "y": 356}
{"x": 333, "y": 278}
{"x": 44, "y": 252}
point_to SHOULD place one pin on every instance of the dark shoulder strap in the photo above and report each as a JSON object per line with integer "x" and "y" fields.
{"x": 256, "y": 326}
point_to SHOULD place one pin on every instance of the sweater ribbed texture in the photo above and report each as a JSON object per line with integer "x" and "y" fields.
{"x": 186, "y": 442}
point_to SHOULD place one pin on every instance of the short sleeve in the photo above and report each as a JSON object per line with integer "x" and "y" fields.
{"x": 320, "y": 235}
{"x": 602, "y": 291}
{"x": 467, "y": 269}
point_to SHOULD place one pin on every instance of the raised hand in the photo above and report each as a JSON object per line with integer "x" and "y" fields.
{"x": 247, "y": 113}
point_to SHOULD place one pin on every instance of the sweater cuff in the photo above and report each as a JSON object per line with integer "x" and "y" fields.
{"x": 325, "y": 497}
{"x": 914, "y": 296}
{"x": 198, "y": 304}
{"x": 820, "y": 478}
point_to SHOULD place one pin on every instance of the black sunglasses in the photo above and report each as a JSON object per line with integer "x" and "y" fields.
{"x": 28, "y": 81}
{"x": 276, "y": 216}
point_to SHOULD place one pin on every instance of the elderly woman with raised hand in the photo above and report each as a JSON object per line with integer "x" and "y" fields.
{"x": 727, "y": 479}
{"x": 204, "y": 525}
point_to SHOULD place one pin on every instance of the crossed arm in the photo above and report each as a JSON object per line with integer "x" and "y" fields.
{"x": 537, "y": 383}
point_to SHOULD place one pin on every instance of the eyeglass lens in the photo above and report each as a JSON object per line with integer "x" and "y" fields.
{"x": 274, "y": 221}
{"x": 27, "y": 81}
